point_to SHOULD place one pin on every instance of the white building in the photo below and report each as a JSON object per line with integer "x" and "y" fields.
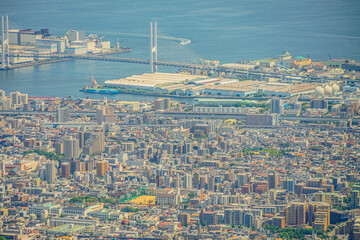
{"x": 76, "y": 50}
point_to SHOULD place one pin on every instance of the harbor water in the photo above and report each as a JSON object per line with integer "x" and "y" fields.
{"x": 227, "y": 31}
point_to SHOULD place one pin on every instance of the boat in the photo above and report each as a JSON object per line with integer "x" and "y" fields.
{"x": 95, "y": 88}
{"x": 100, "y": 90}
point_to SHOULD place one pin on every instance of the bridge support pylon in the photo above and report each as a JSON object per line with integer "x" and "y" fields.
{"x": 153, "y": 46}
{"x": 5, "y": 63}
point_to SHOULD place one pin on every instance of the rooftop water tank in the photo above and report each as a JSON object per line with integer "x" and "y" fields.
{"x": 335, "y": 88}
{"x": 319, "y": 91}
{"x": 328, "y": 90}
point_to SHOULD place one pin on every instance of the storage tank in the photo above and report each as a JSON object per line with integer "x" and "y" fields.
{"x": 328, "y": 90}
{"x": 319, "y": 91}
{"x": 335, "y": 88}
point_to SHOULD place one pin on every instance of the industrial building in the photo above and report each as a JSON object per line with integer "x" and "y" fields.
{"x": 195, "y": 85}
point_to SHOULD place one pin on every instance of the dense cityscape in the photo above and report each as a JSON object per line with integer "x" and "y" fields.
{"x": 87, "y": 168}
{"x": 254, "y": 149}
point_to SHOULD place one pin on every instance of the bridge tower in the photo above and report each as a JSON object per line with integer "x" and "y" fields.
{"x": 5, "y": 42}
{"x": 153, "y": 46}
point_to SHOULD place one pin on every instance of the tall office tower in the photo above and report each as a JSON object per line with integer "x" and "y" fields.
{"x": 65, "y": 170}
{"x": 50, "y": 172}
{"x": 62, "y": 115}
{"x": 71, "y": 147}
{"x": 101, "y": 168}
{"x": 188, "y": 181}
{"x": 277, "y": 106}
{"x": 273, "y": 180}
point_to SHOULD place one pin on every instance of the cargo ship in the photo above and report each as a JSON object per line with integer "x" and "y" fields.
{"x": 100, "y": 90}
{"x": 95, "y": 88}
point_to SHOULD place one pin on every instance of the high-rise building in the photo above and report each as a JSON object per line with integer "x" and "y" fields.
{"x": 59, "y": 148}
{"x": 161, "y": 104}
{"x": 65, "y": 170}
{"x": 95, "y": 143}
{"x": 71, "y": 147}
{"x": 89, "y": 165}
{"x": 297, "y": 213}
{"x": 278, "y": 221}
{"x": 62, "y": 115}
{"x": 50, "y": 172}
{"x": 5, "y": 104}
{"x": 184, "y": 219}
{"x": 355, "y": 198}
{"x": 2, "y": 94}
{"x": 272, "y": 195}
{"x": 15, "y": 98}
{"x": 81, "y": 136}
{"x": 106, "y": 114}
{"x": 289, "y": 185}
{"x": 242, "y": 179}
{"x": 273, "y": 180}
{"x": 319, "y": 104}
{"x": 75, "y": 166}
{"x": 188, "y": 181}
{"x": 262, "y": 119}
{"x": 322, "y": 217}
{"x": 101, "y": 168}
{"x": 203, "y": 182}
{"x": 277, "y": 106}
{"x": 234, "y": 217}
{"x": 248, "y": 219}
{"x": 299, "y": 187}
{"x": 208, "y": 218}
{"x": 211, "y": 183}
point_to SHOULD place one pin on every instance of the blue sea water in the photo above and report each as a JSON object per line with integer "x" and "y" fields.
{"x": 225, "y": 30}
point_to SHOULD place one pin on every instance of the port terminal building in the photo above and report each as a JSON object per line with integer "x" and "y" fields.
{"x": 194, "y": 85}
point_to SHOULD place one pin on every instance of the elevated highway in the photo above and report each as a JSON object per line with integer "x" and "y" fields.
{"x": 184, "y": 115}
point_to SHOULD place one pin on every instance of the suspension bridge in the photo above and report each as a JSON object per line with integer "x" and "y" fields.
{"x": 165, "y": 50}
